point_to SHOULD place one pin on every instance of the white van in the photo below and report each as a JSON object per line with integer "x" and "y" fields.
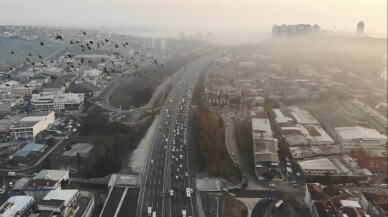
{"x": 149, "y": 211}
{"x": 13, "y": 174}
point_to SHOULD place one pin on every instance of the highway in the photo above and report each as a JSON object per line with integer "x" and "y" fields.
{"x": 167, "y": 165}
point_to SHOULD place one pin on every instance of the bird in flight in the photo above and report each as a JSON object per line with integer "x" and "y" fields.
{"x": 84, "y": 33}
{"x": 58, "y": 37}
{"x": 41, "y": 43}
{"x": 12, "y": 52}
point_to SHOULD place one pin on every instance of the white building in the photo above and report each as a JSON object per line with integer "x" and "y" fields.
{"x": 353, "y": 138}
{"x": 315, "y": 135}
{"x": 302, "y": 116}
{"x": 280, "y": 118}
{"x": 265, "y": 146}
{"x": 28, "y": 127}
{"x": 17, "y": 206}
{"x": 93, "y": 74}
{"x": 60, "y": 202}
{"x": 57, "y": 101}
{"x": 8, "y": 86}
{"x": 319, "y": 166}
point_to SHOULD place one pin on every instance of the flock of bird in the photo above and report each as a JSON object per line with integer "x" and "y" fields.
{"x": 110, "y": 65}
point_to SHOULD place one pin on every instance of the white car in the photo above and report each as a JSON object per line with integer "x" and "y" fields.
{"x": 272, "y": 185}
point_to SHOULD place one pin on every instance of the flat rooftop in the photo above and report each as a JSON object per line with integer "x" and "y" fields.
{"x": 317, "y": 164}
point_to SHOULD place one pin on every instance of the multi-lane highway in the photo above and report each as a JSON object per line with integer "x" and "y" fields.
{"x": 167, "y": 187}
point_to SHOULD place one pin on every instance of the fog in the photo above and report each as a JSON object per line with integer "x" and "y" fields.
{"x": 228, "y": 20}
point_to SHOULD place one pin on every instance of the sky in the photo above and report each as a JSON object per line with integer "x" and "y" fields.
{"x": 198, "y": 15}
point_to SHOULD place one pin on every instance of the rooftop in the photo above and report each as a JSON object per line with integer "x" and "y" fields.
{"x": 350, "y": 133}
{"x": 302, "y": 116}
{"x": 57, "y": 175}
{"x": 30, "y": 147}
{"x": 15, "y": 205}
{"x": 61, "y": 195}
{"x": 317, "y": 164}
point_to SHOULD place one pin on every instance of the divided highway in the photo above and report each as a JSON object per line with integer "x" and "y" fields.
{"x": 166, "y": 185}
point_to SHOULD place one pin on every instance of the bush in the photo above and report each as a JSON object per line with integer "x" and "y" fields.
{"x": 268, "y": 175}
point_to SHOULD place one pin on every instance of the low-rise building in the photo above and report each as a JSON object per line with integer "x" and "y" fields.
{"x": 302, "y": 116}
{"x": 57, "y": 101}
{"x": 353, "y": 138}
{"x": 17, "y": 206}
{"x": 373, "y": 159}
{"x": 60, "y": 202}
{"x": 376, "y": 205}
{"x": 318, "y": 167}
{"x": 47, "y": 180}
{"x": 28, "y": 127}
{"x": 330, "y": 201}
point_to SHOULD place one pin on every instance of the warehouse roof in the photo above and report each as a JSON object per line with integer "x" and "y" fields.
{"x": 317, "y": 164}
{"x": 349, "y": 133}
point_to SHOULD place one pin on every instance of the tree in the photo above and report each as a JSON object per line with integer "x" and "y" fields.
{"x": 268, "y": 175}
{"x": 51, "y": 142}
{"x": 78, "y": 159}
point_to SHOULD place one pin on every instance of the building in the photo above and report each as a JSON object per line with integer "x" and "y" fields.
{"x": 20, "y": 186}
{"x": 8, "y": 86}
{"x": 17, "y": 206}
{"x": 22, "y": 90}
{"x": 291, "y": 30}
{"x": 376, "y": 205}
{"x": 47, "y": 180}
{"x": 60, "y": 202}
{"x": 265, "y": 146}
{"x": 353, "y": 138}
{"x": 318, "y": 167}
{"x": 373, "y": 159}
{"x": 57, "y": 101}
{"x": 315, "y": 135}
{"x": 28, "y": 127}
{"x": 330, "y": 201}
{"x": 280, "y": 118}
{"x": 302, "y": 116}
{"x": 30, "y": 148}
{"x": 360, "y": 28}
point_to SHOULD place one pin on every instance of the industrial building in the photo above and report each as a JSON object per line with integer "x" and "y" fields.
{"x": 374, "y": 159}
{"x": 28, "y": 127}
{"x": 353, "y": 138}
{"x": 265, "y": 146}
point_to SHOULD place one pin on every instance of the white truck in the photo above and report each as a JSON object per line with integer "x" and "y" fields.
{"x": 183, "y": 213}
{"x": 172, "y": 193}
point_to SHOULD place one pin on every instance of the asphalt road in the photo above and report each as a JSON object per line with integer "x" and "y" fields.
{"x": 261, "y": 207}
{"x": 168, "y": 168}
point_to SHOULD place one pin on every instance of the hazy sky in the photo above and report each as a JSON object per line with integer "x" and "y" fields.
{"x": 198, "y": 15}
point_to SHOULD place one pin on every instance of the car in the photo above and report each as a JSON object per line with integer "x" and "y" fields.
{"x": 232, "y": 154}
{"x": 10, "y": 184}
{"x": 186, "y": 174}
{"x": 180, "y": 165}
{"x": 272, "y": 185}
{"x": 236, "y": 162}
{"x": 152, "y": 161}
{"x": 176, "y": 177}
{"x": 294, "y": 185}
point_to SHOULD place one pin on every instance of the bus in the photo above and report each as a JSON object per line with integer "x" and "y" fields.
{"x": 188, "y": 194}
{"x": 278, "y": 204}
